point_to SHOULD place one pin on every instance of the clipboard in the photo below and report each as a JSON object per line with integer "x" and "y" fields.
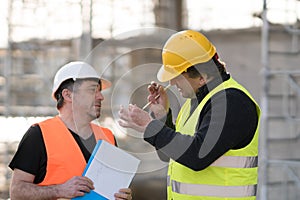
{"x": 110, "y": 168}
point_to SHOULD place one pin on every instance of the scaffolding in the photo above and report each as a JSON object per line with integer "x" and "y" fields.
{"x": 42, "y": 37}
{"x": 280, "y": 130}
{"x": 28, "y": 65}
{"x": 21, "y": 73}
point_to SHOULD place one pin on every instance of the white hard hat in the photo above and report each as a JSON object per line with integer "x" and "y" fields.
{"x": 76, "y": 70}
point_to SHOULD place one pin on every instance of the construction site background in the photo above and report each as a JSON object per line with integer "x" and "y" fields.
{"x": 265, "y": 59}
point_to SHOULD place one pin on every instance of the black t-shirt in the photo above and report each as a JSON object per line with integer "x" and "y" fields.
{"x": 31, "y": 155}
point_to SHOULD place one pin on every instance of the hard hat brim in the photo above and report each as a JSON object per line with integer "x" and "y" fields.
{"x": 77, "y": 70}
{"x": 105, "y": 83}
{"x": 164, "y": 75}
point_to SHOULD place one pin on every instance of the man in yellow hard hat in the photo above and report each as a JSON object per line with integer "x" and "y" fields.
{"x": 213, "y": 147}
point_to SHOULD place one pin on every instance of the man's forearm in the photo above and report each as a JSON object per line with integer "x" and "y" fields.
{"x": 30, "y": 191}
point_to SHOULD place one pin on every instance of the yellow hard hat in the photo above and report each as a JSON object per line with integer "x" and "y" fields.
{"x": 183, "y": 50}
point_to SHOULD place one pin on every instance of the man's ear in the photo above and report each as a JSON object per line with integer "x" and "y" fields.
{"x": 67, "y": 94}
{"x": 203, "y": 79}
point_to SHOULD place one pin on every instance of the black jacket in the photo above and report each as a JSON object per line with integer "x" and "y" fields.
{"x": 234, "y": 121}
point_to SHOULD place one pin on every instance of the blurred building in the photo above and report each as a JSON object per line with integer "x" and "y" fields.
{"x": 123, "y": 41}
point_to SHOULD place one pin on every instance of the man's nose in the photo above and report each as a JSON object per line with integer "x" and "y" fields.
{"x": 99, "y": 95}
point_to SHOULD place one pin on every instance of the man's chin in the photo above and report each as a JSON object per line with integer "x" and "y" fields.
{"x": 97, "y": 115}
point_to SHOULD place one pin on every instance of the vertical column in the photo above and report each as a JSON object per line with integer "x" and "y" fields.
{"x": 8, "y": 61}
{"x": 86, "y": 40}
{"x": 168, "y": 14}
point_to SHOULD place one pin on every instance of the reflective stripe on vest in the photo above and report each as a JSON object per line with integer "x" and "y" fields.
{"x": 236, "y": 162}
{"x": 64, "y": 156}
{"x": 214, "y": 190}
{"x": 232, "y": 175}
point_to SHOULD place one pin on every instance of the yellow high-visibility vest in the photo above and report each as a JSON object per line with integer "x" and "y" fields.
{"x": 233, "y": 176}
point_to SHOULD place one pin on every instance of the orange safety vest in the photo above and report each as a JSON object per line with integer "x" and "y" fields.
{"x": 64, "y": 157}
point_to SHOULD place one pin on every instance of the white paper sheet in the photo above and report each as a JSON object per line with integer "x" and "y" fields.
{"x": 111, "y": 169}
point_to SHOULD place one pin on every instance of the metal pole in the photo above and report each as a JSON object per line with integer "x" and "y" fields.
{"x": 8, "y": 62}
{"x": 86, "y": 40}
{"x": 263, "y": 177}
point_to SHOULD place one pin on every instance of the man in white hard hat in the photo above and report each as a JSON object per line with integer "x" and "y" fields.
{"x": 213, "y": 147}
{"x": 53, "y": 153}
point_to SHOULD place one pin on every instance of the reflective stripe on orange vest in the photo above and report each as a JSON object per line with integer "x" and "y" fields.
{"x": 64, "y": 156}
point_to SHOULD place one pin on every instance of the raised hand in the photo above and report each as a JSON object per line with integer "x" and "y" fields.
{"x": 134, "y": 117}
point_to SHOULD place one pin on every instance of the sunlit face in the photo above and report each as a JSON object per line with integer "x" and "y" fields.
{"x": 186, "y": 86}
{"x": 87, "y": 99}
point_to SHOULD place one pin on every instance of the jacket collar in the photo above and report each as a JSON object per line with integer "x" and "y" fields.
{"x": 205, "y": 89}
